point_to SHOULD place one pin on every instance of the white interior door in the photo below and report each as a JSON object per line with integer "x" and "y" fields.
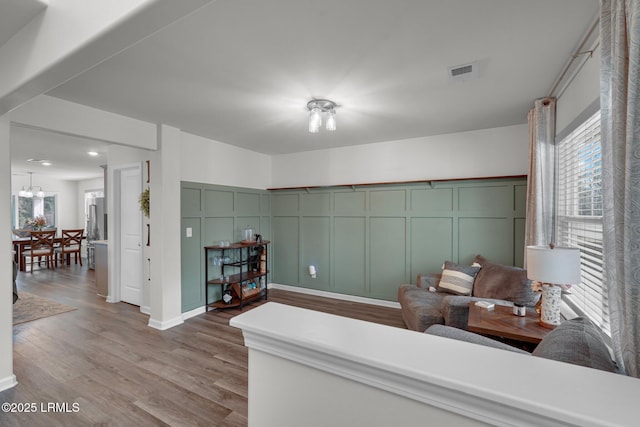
{"x": 130, "y": 237}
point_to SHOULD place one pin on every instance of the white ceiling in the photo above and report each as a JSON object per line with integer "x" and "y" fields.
{"x": 16, "y": 14}
{"x": 67, "y": 154}
{"x": 242, "y": 71}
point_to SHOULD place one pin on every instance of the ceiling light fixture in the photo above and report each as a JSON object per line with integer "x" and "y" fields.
{"x": 92, "y": 153}
{"x": 316, "y": 108}
{"x": 28, "y": 192}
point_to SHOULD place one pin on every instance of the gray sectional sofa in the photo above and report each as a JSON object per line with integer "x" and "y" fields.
{"x": 577, "y": 341}
{"x": 427, "y": 303}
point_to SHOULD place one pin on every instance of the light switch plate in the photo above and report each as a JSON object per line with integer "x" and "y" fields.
{"x": 189, "y": 232}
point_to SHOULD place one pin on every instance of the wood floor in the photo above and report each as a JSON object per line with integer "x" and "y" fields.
{"x": 102, "y": 365}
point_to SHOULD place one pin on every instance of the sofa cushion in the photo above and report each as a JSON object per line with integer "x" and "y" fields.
{"x": 503, "y": 282}
{"x": 457, "y": 279}
{"x": 577, "y": 341}
{"x": 419, "y": 307}
{"x": 458, "y": 334}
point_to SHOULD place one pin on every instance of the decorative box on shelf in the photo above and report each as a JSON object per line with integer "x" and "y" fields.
{"x": 246, "y": 290}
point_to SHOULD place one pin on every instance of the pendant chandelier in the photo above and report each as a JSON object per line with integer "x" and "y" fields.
{"x": 31, "y": 190}
{"x": 317, "y": 108}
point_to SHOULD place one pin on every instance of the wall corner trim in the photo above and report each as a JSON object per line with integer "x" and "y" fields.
{"x": 334, "y": 295}
{"x": 163, "y": 325}
{"x": 8, "y": 382}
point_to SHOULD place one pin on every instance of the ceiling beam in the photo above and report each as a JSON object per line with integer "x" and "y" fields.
{"x": 70, "y": 37}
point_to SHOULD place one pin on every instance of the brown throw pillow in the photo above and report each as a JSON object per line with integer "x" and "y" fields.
{"x": 503, "y": 282}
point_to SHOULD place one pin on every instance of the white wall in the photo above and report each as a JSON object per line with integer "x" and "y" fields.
{"x": 581, "y": 93}
{"x": 481, "y": 153}
{"x": 212, "y": 162}
{"x": 66, "y": 192}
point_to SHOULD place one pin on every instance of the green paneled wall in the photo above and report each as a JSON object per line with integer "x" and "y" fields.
{"x": 366, "y": 240}
{"x": 215, "y": 213}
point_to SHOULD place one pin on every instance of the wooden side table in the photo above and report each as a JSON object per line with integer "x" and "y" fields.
{"x": 501, "y": 322}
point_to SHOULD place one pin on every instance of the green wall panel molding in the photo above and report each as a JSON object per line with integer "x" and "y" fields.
{"x": 286, "y": 231}
{"x": 215, "y": 213}
{"x": 192, "y": 277}
{"x": 349, "y": 255}
{"x": 364, "y": 240}
{"x": 388, "y": 236}
{"x": 191, "y": 201}
{"x": 316, "y": 250}
{"x": 350, "y": 202}
{"x": 373, "y": 238}
{"x": 218, "y": 202}
{"x": 432, "y": 200}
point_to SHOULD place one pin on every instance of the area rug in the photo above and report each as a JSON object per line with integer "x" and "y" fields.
{"x": 31, "y": 307}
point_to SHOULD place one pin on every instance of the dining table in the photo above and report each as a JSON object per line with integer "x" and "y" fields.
{"x": 21, "y": 244}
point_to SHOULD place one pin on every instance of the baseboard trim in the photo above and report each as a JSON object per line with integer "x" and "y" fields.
{"x": 145, "y": 309}
{"x": 193, "y": 313}
{"x": 8, "y": 382}
{"x": 165, "y": 324}
{"x": 334, "y": 295}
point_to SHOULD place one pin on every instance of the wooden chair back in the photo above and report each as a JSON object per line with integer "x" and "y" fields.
{"x": 42, "y": 240}
{"x": 71, "y": 244}
{"x": 72, "y": 239}
{"x": 41, "y": 245}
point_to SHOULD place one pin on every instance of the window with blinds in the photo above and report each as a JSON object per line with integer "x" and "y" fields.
{"x": 579, "y": 216}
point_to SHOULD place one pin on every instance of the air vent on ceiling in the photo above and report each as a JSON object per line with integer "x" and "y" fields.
{"x": 464, "y": 72}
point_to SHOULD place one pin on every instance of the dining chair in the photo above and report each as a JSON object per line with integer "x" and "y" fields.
{"x": 41, "y": 245}
{"x": 71, "y": 244}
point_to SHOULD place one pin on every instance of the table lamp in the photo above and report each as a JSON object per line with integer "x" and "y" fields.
{"x": 553, "y": 268}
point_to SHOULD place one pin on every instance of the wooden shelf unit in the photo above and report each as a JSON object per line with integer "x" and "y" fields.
{"x": 248, "y": 263}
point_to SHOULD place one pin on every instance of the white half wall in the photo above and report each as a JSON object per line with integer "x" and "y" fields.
{"x": 316, "y": 369}
{"x": 481, "y": 153}
{"x": 212, "y": 162}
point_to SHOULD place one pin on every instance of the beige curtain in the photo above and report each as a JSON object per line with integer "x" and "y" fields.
{"x": 540, "y": 223}
{"x": 620, "y": 132}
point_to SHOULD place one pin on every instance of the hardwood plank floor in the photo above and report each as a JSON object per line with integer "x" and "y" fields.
{"x": 117, "y": 371}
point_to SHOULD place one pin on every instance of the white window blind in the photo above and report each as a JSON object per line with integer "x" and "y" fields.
{"x": 579, "y": 216}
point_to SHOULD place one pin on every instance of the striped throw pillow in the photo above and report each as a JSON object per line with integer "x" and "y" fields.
{"x": 457, "y": 279}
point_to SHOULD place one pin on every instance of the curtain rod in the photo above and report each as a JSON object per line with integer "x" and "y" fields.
{"x": 577, "y": 53}
{"x": 421, "y": 181}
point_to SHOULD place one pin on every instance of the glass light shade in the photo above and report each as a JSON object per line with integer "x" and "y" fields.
{"x": 40, "y": 194}
{"x": 557, "y": 266}
{"x": 315, "y": 120}
{"x": 23, "y": 193}
{"x": 331, "y": 120}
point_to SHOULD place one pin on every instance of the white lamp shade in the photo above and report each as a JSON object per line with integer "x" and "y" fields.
{"x": 558, "y": 266}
